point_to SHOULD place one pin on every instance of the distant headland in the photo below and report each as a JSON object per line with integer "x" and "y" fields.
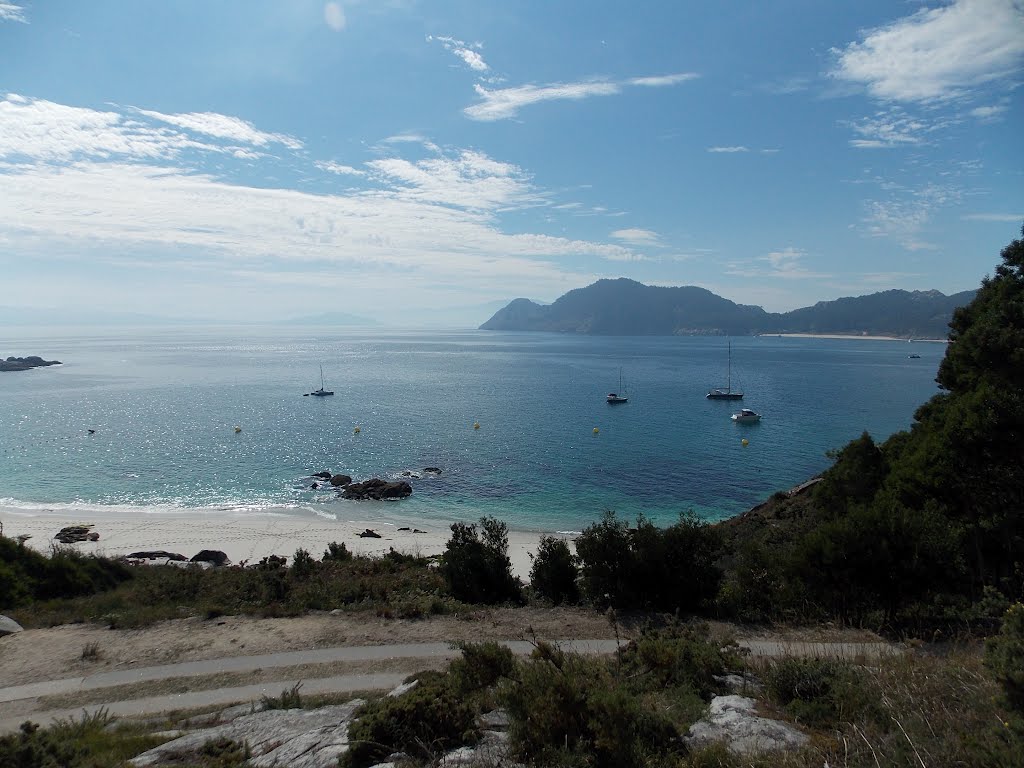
{"x": 24, "y": 363}
{"x": 627, "y": 308}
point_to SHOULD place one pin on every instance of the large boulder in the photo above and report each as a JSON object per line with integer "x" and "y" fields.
{"x": 298, "y": 738}
{"x": 732, "y": 720}
{"x": 8, "y": 626}
{"x": 212, "y": 556}
{"x": 377, "y": 489}
{"x": 340, "y": 480}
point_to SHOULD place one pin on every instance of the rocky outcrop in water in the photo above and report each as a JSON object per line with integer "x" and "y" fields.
{"x": 25, "y": 363}
{"x": 377, "y": 489}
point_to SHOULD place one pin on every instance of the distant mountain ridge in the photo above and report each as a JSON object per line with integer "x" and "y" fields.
{"x": 625, "y": 307}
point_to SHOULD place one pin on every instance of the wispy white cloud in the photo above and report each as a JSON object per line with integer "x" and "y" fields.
{"x": 988, "y": 112}
{"x": 937, "y": 53}
{"x": 728, "y": 150}
{"x": 906, "y": 212}
{"x": 334, "y": 15}
{"x": 12, "y": 12}
{"x": 224, "y": 127}
{"x": 468, "y": 52}
{"x": 637, "y": 237}
{"x": 894, "y": 127}
{"x": 1015, "y": 218}
{"x": 503, "y": 103}
{"x": 339, "y": 168}
{"x": 660, "y": 81}
{"x": 472, "y": 180}
{"x": 785, "y": 263}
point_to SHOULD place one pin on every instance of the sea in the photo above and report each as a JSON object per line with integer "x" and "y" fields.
{"x": 213, "y": 421}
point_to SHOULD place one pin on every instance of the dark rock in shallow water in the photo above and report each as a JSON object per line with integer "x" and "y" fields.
{"x": 376, "y": 488}
{"x": 325, "y": 475}
{"x": 432, "y": 470}
{"x": 340, "y": 480}
{"x": 156, "y": 554}
{"x": 213, "y": 556}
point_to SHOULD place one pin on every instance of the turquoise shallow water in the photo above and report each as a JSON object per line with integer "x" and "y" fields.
{"x": 164, "y": 406}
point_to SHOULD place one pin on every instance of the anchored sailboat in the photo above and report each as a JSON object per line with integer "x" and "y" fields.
{"x": 727, "y": 393}
{"x": 614, "y": 397}
{"x": 320, "y": 392}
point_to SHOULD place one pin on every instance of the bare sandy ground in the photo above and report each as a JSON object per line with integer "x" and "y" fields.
{"x": 57, "y": 652}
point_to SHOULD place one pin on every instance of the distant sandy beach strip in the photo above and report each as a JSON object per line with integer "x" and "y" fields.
{"x": 249, "y": 538}
{"x": 849, "y": 336}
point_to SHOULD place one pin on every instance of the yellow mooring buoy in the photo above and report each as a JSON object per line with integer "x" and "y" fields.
{"x": 356, "y": 431}
{"x": 237, "y": 430}
{"x": 596, "y": 430}
{"x": 476, "y": 425}
{"x": 744, "y": 442}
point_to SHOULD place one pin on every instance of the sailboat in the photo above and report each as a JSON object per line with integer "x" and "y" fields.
{"x": 727, "y": 393}
{"x": 320, "y": 392}
{"x": 613, "y": 397}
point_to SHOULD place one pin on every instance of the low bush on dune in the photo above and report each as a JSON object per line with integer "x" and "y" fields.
{"x": 555, "y": 571}
{"x": 27, "y": 576}
{"x": 476, "y": 566}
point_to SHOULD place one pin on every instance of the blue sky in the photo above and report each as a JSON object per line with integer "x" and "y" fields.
{"x": 411, "y": 161}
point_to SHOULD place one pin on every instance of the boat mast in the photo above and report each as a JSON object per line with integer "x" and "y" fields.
{"x": 728, "y": 376}
{"x": 321, "y": 377}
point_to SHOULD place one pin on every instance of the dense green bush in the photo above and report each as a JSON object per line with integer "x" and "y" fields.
{"x": 89, "y": 742}
{"x": 476, "y": 567}
{"x": 337, "y": 552}
{"x": 554, "y": 572}
{"x": 566, "y": 709}
{"x": 1004, "y": 656}
{"x": 664, "y": 569}
{"x": 678, "y": 657}
{"x": 27, "y": 576}
{"x": 425, "y": 722}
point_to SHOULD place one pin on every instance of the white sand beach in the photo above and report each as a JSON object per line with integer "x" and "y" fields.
{"x": 849, "y": 336}
{"x": 248, "y": 539}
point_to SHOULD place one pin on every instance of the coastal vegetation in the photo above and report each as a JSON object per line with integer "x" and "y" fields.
{"x": 627, "y": 308}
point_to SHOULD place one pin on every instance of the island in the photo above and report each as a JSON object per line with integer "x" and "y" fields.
{"x": 625, "y": 307}
{"x": 25, "y": 363}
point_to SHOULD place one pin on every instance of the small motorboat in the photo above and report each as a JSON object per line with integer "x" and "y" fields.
{"x": 746, "y": 416}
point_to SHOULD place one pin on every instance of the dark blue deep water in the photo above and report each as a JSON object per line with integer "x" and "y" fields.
{"x": 164, "y": 406}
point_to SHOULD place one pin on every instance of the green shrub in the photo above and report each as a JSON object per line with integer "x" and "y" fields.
{"x": 662, "y": 569}
{"x": 1004, "y": 656}
{"x": 303, "y": 564}
{"x": 89, "y": 742}
{"x": 677, "y": 657}
{"x": 289, "y": 698}
{"x": 481, "y": 666}
{"x": 425, "y": 722}
{"x": 554, "y": 572}
{"x": 565, "y": 709}
{"x": 337, "y": 552}
{"x": 476, "y": 567}
{"x": 821, "y": 692}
